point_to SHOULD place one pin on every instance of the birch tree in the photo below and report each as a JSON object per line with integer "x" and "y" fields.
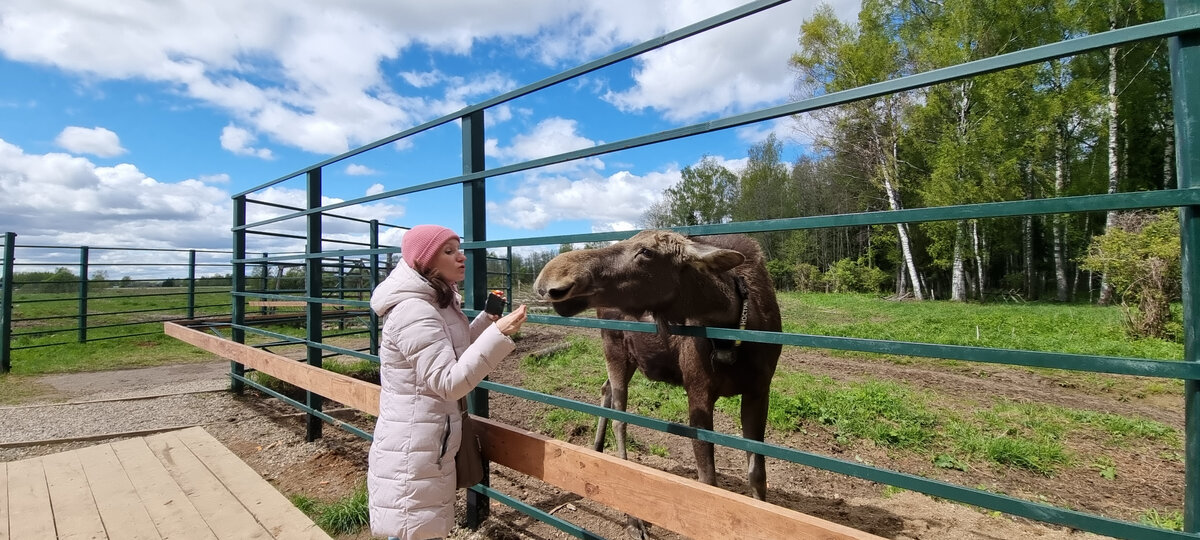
{"x": 836, "y": 56}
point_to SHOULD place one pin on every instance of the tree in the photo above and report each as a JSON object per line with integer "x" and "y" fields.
{"x": 705, "y": 193}
{"x": 763, "y": 191}
{"x": 1140, "y": 254}
{"x": 836, "y": 56}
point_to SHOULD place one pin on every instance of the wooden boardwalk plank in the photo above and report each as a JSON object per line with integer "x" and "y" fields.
{"x": 120, "y": 508}
{"x": 30, "y": 515}
{"x": 269, "y": 507}
{"x": 173, "y": 514}
{"x": 3, "y": 500}
{"x": 76, "y": 516}
{"x": 220, "y": 509}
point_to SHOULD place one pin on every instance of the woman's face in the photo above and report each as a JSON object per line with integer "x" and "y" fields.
{"x": 449, "y": 262}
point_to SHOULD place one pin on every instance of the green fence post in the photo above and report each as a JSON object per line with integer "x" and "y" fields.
{"x": 1185, "y": 88}
{"x": 238, "y": 307}
{"x": 83, "y": 293}
{"x": 508, "y": 281}
{"x": 266, "y": 269}
{"x": 314, "y": 289}
{"x": 6, "y": 294}
{"x": 341, "y": 280}
{"x": 475, "y": 230}
{"x": 373, "y": 279}
{"x": 191, "y": 296}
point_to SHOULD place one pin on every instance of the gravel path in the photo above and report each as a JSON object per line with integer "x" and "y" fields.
{"x": 99, "y": 403}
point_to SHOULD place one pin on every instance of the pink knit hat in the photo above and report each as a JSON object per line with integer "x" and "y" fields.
{"x": 420, "y": 244}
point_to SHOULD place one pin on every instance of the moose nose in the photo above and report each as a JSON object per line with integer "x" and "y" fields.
{"x": 559, "y": 293}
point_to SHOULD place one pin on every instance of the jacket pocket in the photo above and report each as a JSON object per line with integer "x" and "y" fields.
{"x": 445, "y": 442}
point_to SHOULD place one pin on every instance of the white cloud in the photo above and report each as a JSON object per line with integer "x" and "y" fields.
{"x": 732, "y": 69}
{"x": 286, "y": 71}
{"x": 240, "y": 141}
{"x": 57, "y": 198}
{"x": 613, "y": 202}
{"x": 355, "y": 169}
{"x": 96, "y": 141}
{"x": 549, "y": 137}
{"x": 375, "y": 189}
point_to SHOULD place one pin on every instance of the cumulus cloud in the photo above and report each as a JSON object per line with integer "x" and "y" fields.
{"x": 549, "y": 137}
{"x": 62, "y": 199}
{"x": 287, "y": 72}
{"x": 240, "y": 141}
{"x": 355, "y": 169}
{"x": 96, "y": 141}
{"x": 613, "y": 202}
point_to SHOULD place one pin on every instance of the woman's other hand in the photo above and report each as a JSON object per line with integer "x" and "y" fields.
{"x": 511, "y": 323}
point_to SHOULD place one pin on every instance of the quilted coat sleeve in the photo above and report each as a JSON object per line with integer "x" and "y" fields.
{"x": 424, "y": 341}
{"x": 479, "y": 324}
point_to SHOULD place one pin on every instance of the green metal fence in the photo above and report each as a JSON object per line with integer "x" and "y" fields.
{"x": 59, "y": 295}
{"x": 1182, "y": 30}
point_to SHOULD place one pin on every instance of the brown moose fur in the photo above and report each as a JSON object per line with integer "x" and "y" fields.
{"x": 673, "y": 279}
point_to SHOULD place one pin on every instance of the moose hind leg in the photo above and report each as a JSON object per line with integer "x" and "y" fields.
{"x": 754, "y": 427}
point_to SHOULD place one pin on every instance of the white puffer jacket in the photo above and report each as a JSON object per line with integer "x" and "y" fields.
{"x": 429, "y": 358}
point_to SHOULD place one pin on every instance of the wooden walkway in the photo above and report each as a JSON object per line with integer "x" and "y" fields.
{"x": 181, "y": 484}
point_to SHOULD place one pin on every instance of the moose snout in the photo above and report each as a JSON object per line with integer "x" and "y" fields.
{"x": 556, "y": 293}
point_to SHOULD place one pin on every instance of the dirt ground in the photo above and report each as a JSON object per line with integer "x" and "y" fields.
{"x": 1148, "y": 476}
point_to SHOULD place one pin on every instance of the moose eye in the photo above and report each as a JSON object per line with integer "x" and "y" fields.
{"x": 644, "y": 252}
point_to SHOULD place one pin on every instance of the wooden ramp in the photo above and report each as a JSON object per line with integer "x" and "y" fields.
{"x": 181, "y": 484}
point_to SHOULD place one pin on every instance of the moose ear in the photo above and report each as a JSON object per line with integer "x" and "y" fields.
{"x": 714, "y": 259}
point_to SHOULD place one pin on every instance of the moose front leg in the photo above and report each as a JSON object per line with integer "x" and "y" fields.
{"x": 700, "y": 415}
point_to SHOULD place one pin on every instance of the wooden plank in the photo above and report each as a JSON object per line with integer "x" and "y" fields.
{"x": 122, "y": 511}
{"x": 224, "y": 514}
{"x": 75, "y": 513}
{"x": 343, "y": 389}
{"x": 3, "y": 501}
{"x": 270, "y": 508}
{"x": 30, "y": 514}
{"x": 165, "y": 502}
{"x": 638, "y": 490}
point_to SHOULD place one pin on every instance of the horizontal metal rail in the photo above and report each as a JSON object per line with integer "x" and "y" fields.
{"x": 1003, "y": 503}
{"x": 1018, "y": 357}
{"x": 1157, "y": 29}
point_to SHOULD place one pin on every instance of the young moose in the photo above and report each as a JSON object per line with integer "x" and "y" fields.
{"x": 717, "y": 281}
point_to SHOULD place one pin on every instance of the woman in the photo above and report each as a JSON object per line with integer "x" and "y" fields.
{"x": 430, "y": 356}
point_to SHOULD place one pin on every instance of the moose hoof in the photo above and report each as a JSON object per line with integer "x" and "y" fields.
{"x": 637, "y": 529}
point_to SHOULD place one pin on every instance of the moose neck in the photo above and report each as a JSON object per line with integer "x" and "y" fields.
{"x": 704, "y": 299}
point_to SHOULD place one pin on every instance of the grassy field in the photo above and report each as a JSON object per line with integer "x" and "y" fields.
{"x": 996, "y": 433}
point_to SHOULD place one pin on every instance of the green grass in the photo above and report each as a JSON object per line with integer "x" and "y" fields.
{"x": 1027, "y": 436}
{"x": 344, "y": 516}
{"x": 1037, "y": 326}
{"x": 1171, "y": 520}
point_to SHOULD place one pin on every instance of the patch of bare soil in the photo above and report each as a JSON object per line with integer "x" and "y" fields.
{"x": 1148, "y": 475}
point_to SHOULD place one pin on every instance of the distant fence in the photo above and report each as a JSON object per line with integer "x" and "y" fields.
{"x": 58, "y": 295}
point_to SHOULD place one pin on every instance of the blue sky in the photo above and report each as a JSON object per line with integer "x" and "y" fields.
{"x": 131, "y": 122}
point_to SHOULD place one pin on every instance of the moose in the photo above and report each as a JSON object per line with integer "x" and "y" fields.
{"x": 669, "y": 278}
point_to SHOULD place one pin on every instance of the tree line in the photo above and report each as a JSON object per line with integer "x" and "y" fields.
{"x": 1094, "y": 123}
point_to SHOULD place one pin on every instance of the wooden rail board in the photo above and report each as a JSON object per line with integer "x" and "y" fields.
{"x": 635, "y": 489}
{"x": 346, "y": 390}
{"x": 179, "y": 485}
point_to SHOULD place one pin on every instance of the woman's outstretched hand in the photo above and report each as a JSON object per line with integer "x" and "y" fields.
{"x": 511, "y": 323}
